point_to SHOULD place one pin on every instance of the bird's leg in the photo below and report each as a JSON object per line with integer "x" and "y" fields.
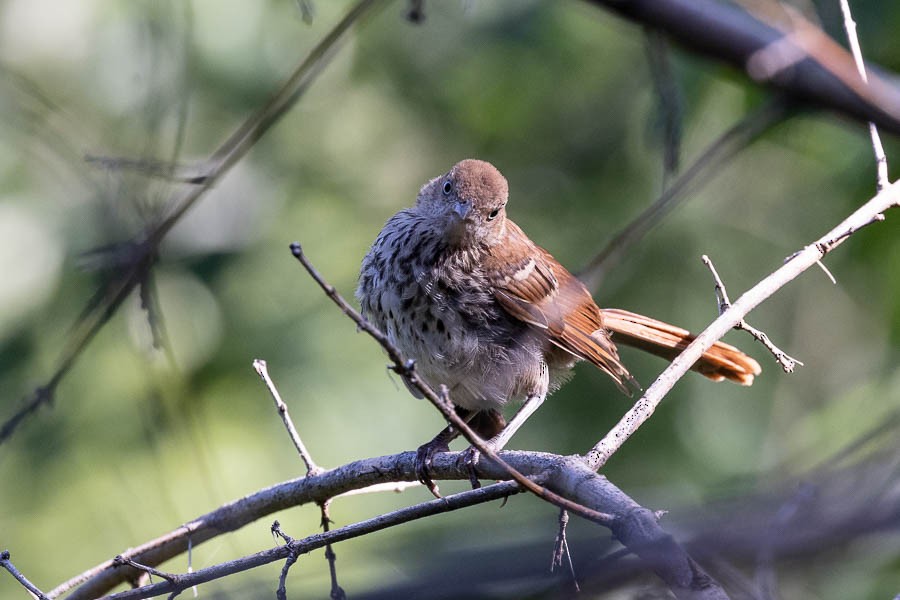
{"x": 498, "y": 442}
{"x": 441, "y": 443}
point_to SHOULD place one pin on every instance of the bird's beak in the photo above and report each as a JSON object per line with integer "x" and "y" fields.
{"x": 462, "y": 208}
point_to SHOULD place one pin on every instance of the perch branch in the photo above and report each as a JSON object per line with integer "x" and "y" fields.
{"x": 634, "y": 526}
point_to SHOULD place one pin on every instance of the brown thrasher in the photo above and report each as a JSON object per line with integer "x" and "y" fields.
{"x": 460, "y": 288}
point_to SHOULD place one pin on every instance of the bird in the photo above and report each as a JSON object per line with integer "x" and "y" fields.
{"x": 459, "y": 288}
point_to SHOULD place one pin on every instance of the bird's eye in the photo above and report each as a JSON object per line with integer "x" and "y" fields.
{"x": 493, "y": 214}
{"x": 448, "y": 187}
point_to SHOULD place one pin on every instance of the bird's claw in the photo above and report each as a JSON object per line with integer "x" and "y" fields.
{"x": 469, "y": 458}
{"x": 424, "y": 458}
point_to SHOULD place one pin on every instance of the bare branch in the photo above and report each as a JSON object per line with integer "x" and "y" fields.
{"x": 787, "y": 362}
{"x": 263, "y": 371}
{"x": 6, "y": 563}
{"x": 164, "y": 170}
{"x": 393, "y": 486}
{"x": 810, "y": 255}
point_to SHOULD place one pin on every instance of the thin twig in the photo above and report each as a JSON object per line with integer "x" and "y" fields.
{"x": 298, "y": 547}
{"x": 337, "y": 592}
{"x": 708, "y": 164}
{"x": 120, "y": 561}
{"x": 881, "y": 163}
{"x": 263, "y": 371}
{"x": 803, "y": 260}
{"x": 561, "y": 548}
{"x": 826, "y": 246}
{"x": 406, "y": 368}
{"x": 6, "y": 563}
{"x": 787, "y": 362}
{"x": 281, "y": 592}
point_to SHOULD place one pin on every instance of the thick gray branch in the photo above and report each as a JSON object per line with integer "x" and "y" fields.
{"x": 635, "y": 526}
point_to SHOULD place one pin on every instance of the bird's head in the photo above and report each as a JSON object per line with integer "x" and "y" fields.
{"x": 470, "y": 201}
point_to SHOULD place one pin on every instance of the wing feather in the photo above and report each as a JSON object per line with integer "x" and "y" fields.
{"x": 533, "y": 288}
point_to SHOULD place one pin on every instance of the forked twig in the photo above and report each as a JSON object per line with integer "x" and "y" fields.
{"x": 120, "y": 561}
{"x": 787, "y": 362}
{"x": 293, "y": 555}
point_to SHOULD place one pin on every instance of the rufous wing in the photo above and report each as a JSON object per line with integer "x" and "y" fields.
{"x": 534, "y": 288}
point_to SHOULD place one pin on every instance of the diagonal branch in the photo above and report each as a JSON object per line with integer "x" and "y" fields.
{"x": 867, "y": 214}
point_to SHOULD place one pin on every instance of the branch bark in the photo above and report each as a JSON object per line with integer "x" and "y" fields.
{"x": 634, "y": 526}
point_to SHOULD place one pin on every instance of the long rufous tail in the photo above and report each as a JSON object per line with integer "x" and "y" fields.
{"x": 722, "y": 361}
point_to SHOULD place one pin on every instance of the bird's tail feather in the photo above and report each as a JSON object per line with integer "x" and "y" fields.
{"x": 721, "y": 361}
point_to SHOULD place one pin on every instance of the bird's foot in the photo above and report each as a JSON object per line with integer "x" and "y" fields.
{"x": 424, "y": 458}
{"x": 469, "y": 459}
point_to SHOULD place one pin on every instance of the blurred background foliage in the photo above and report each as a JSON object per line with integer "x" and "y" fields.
{"x": 559, "y": 97}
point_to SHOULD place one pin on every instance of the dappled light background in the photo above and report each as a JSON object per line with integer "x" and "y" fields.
{"x": 557, "y": 95}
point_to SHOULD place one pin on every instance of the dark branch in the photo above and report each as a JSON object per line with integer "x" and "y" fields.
{"x": 6, "y": 563}
{"x": 727, "y": 33}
